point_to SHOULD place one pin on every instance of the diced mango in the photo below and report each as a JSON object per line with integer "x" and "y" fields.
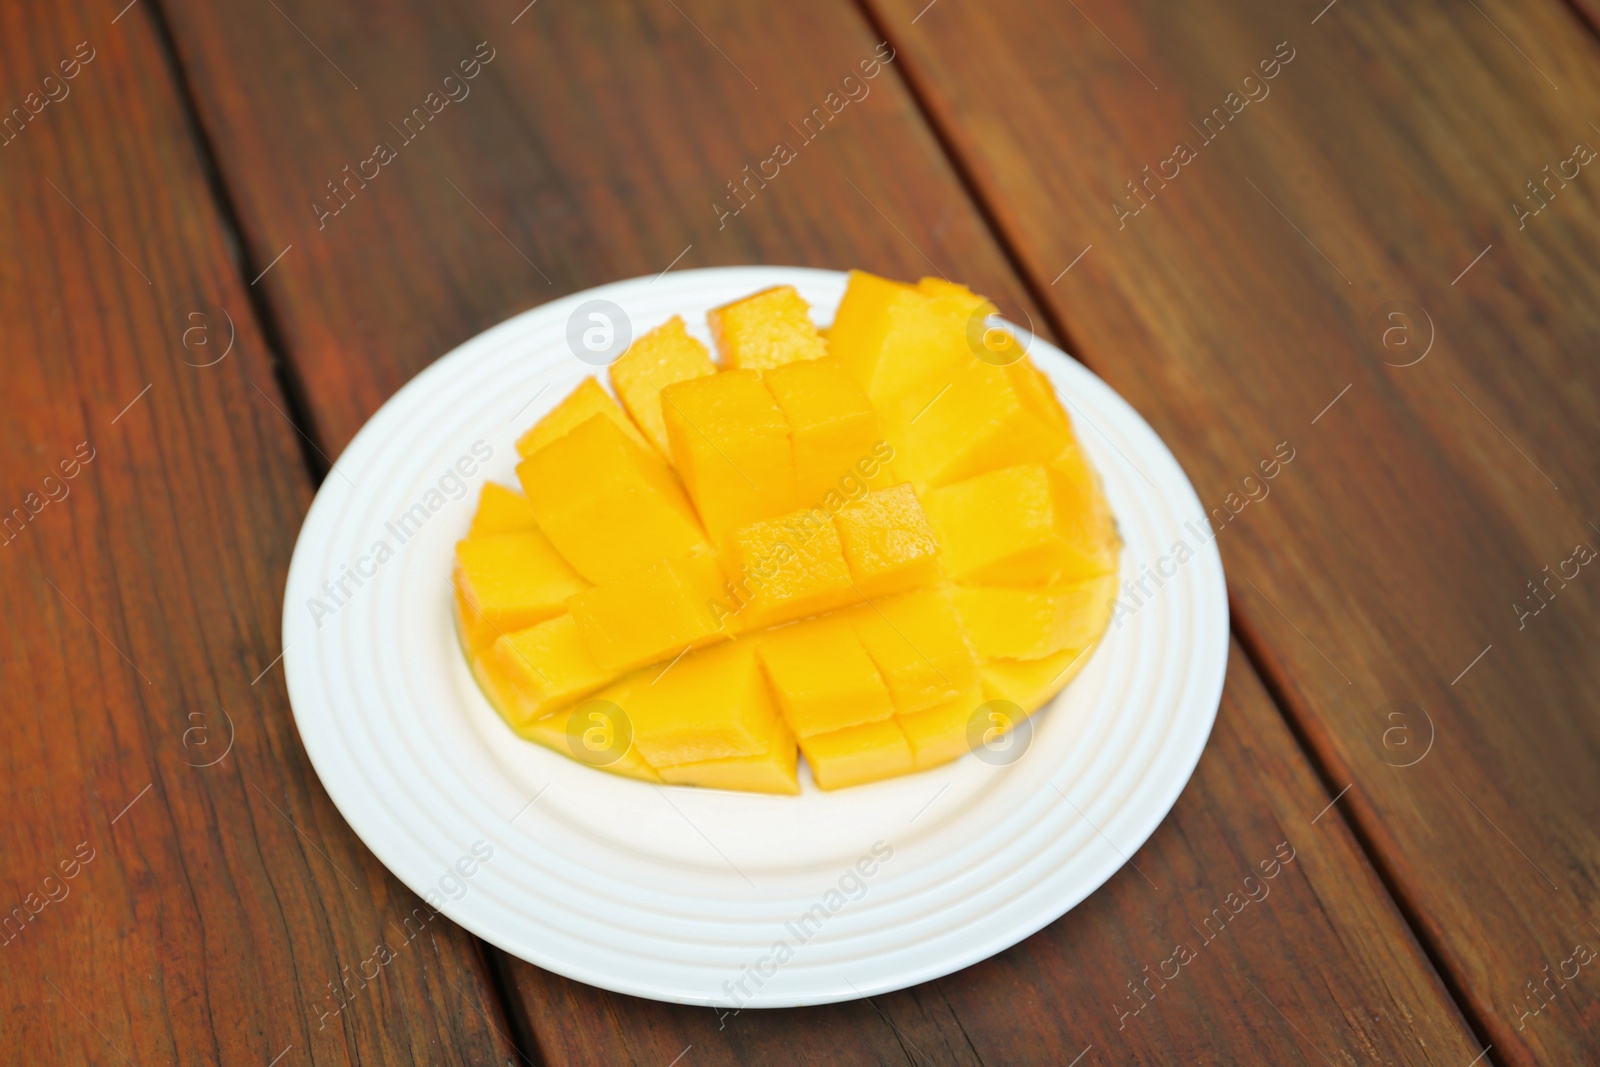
{"x": 939, "y": 734}
{"x": 1030, "y": 683}
{"x": 730, "y": 442}
{"x": 501, "y": 510}
{"x": 772, "y": 771}
{"x": 989, "y": 417}
{"x": 567, "y": 732}
{"x": 887, "y": 541}
{"x": 533, "y": 672}
{"x": 582, "y": 404}
{"x": 858, "y": 754}
{"x": 508, "y": 582}
{"x": 1023, "y": 525}
{"x": 916, "y": 642}
{"x": 766, "y": 330}
{"x": 896, "y": 341}
{"x": 1032, "y": 623}
{"x": 607, "y": 503}
{"x": 651, "y": 614}
{"x": 787, "y": 568}
{"x": 712, "y": 704}
{"x": 823, "y": 677}
{"x": 662, "y": 357}
{"x": 831, "y": 423}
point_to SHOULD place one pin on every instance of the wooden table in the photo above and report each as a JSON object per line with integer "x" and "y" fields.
{"x": 1363, "y": 234}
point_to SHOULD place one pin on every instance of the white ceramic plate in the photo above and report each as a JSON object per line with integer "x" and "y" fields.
{"x": 698, "y": 896}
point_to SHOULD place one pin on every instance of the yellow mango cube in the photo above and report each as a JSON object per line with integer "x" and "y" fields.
{"x": 887, "y": 541}
{"x": 915, "y": 639}
{"x": 533, "y": 672}
{"x": 859, "y": 754}
{"x": 569, "y": 733}
{"x": 988, "y": 417}
{"x": 831, "y": 423}
{"x": 582, "y": 404}
{"x": 607, "y": 503}
{"x": 501, "y": 510}
{"x": 507, "y": 582}
{"x": 1030, "y": 683}
{"x": 712, "y": 704}
{"x": 551, "y": 732}
{"x": 651, "y": 614}
{"x": 897, "y": 342}
{"x": 787, "y": 568}
{"x": 766, "y": 330}
{"x": 664, "y": 356}
{"x": 775, "y": 770}
{"x": 1031, "y": 623}
{"x": 940, "y": 734}
{"x": 730, "y": 442}
{"x": 823, "y": 678}
{"x": 1024, "y": 525}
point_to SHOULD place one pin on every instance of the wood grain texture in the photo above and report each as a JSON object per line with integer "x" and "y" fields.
{"x": 175, "y": 886}
{"x": 594, "y": 146}
{"x": 1244, "y": 299}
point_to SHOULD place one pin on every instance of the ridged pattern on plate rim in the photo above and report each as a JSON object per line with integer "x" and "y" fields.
{"x": 379, "y": 700}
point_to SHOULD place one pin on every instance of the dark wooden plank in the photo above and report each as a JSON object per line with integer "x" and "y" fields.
{"x": 177, "y": 887}
{"x": 1388, "y": 160}
{"x": 595, "y": 145}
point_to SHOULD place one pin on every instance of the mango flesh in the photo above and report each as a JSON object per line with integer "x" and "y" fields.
{"x": 988, "y": 417}
{"x": 842, "y": 544}
{"x": 1029, "y": 683}
{"x": 916, "y": 641}
{"x": 664, "y": 356}
{"x": 1031, "y": 623}
{"x": 887, "y": 542}
{"x": 712, "y": 704}
{"x": 832, "y": 424}
{"x": 899, "y": 343}
{"x": 501, "y": 510}
{"x": 858, "y": 754}
{"x": 776, "y": 770}
{"x": 607, "y": 503}
{"x": 787, "y": 568}
{"x": 536, "y": 671}
{"x": 730, "y": 442}
{"x": 1022, "y": 525}
{"x": 823, "y": 678}
{"x": 650, "y": 614}
{"x": 509, "y": 581}
{"x": 581, "y": 405}
{"x": 556, "y": 732}
{"x": 940, "y": 734}
{"x": 766, "y": 330}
